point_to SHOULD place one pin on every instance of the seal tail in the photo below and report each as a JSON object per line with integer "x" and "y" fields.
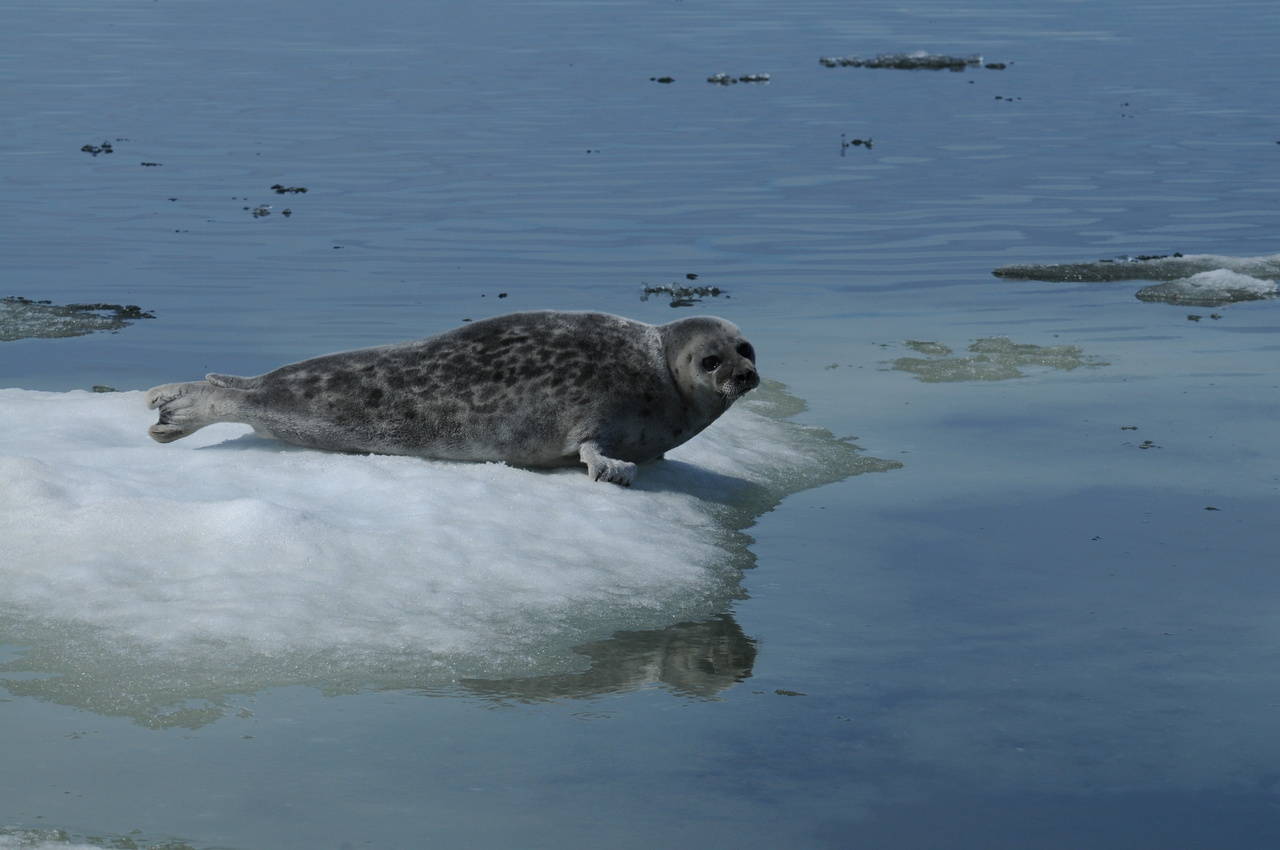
{"x": 186, "y": 408}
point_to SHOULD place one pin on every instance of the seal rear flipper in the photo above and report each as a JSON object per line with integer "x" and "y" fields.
{"x": 187, "y": 407}
{"x": 232, "y": 382}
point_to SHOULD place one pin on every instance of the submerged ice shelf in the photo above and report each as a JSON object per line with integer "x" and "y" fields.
{"x": 989, "y": 359}
{"x": 227, "y": 563}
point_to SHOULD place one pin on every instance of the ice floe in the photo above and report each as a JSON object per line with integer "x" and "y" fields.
{"x": 913, "y": 61}
{"x": 1205, "y": 280}
{"x": 149, "y": 575}
{"x": 22, "y": 318}
{"x": 1210, "y": 289}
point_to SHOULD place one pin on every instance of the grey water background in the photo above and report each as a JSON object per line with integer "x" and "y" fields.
{"x": 1034, "y": 634}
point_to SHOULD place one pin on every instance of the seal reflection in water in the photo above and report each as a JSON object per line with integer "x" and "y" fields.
{"x": 537, "y": 389}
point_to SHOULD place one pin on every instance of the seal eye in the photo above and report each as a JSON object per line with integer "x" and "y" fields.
{"x": 711, "y": 363}
{"x": 745, "y": 350}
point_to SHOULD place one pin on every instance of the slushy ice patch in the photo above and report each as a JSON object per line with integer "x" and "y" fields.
{"x": 22, "y": 318}
{"x": 45, "y": 839}
{"x": 144, "y": 575}
{"x": 990, "y": 359}
{"x": 1210, "y": 289}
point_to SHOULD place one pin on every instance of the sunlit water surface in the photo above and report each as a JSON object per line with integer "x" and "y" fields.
{"x": 1047, "y": 621}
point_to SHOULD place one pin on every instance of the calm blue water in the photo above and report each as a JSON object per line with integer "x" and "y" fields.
{"x": 1032, "y": 635}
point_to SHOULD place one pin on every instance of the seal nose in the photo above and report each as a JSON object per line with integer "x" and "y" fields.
{"x": 746, "y": 379}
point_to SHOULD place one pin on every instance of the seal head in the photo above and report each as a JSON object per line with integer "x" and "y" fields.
{"x": 712, "y": 363}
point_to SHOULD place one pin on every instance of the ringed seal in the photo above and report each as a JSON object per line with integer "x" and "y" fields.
{"x": 538, "y": 389}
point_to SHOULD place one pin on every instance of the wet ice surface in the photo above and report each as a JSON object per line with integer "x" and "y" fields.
{"x": 914, "y": 61}
{"x": 42, "y": 839}
{"x": 1051, "y": 628}
{"x": 1210, "y": 289}
{"x": 1154, "y": 268}
{"x": 23, "y": 318}
{"x": 1205, "y": 280}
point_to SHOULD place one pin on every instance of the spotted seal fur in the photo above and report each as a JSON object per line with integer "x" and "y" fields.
{"x": 537, "y": 389}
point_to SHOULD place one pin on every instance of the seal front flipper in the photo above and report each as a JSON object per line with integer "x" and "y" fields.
{"x": 602, "y": 468}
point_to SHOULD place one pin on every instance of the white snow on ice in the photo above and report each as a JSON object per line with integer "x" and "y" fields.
{"x": 226, "y": 550}
{"x": 1218, "y": 285}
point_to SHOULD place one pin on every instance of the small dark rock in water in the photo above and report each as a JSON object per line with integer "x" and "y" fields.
{"x": 149, "y": 164}
{"x": 690, "y": 276}
{"x": 105, "y": 147}
{"x": 1128, "y": 427}
{"x": 663, "y": 79}
{"x": 845, "y": 144}
{"x": 783, "y": 692}
{"x": 728, "y": 79}
{"x": 102, "y": 388}
{"x": 906, "y": 61}
{"x": 1211, "y": 508}
{"x": 996, "y": 66}
{"x": 260, "y": 210}
{"x": 1192, "y": 317}
{"x": 502, "y": 295}
{"x": 683, "y": 296}
{"x": 293, "y": 190}
{"x": 286, "y": 212}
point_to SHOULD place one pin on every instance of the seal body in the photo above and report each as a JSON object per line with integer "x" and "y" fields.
{"x": 537, "y": 389}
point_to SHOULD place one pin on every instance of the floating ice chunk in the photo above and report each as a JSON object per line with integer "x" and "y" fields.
{"x": 724, "y": 79}
{"x": 21, "y": 318}
{"x": 1210, "y": 289}
{"x": 1169, "y": 267}
{"x": 916, "y": 60}
{"x": 149, "y": 575}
